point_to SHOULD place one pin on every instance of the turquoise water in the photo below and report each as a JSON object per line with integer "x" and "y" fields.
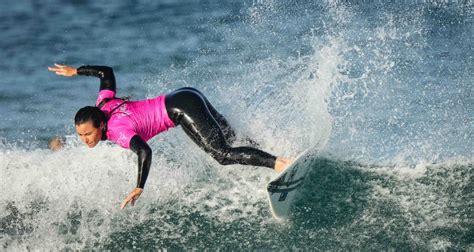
{"x": 384, "y": 90}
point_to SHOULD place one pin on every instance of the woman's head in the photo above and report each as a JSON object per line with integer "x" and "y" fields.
{"x": 90, "y": 122}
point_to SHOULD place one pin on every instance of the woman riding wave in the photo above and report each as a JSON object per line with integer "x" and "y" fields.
{"x": 131, "y": 124}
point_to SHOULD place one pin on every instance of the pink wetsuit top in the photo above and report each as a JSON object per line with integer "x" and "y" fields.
{"x": 145, "y": 118}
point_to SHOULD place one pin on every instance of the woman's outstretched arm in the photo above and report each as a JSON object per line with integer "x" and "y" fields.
{"x": 144, "y": 154}
{"x": 105, "y": 73}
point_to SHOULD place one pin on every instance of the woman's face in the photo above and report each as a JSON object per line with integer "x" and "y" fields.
{"x": 89, "y": 134}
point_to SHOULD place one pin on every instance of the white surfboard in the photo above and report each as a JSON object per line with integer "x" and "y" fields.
{"x": 283, "y": 189}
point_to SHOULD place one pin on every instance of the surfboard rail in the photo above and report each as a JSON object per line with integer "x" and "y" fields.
{"x": 282, "y": 190}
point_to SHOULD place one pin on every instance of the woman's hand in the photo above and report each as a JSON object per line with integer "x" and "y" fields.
{"x": 132, "y": 197}
{"x": 63, "y": 70}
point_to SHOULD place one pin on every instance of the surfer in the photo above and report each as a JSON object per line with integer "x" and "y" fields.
{"x": 131, "y": 124}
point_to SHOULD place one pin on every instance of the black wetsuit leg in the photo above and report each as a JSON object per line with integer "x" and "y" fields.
{"x": 190, "y": 109}
{"x": 228, "y": 131}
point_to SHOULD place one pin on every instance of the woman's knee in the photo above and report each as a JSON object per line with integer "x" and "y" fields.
{"x": 224, "y": 160}
{"x": 222, "y": 157}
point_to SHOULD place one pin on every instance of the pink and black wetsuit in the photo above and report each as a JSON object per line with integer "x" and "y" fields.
{"x": 145, "y": 118}
{"x": 131, "y": 123}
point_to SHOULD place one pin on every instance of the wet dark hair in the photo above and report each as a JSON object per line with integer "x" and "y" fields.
{"x": 89, "y": 113}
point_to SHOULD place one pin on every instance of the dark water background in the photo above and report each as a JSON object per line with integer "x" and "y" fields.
{"x": 383, "y": 89}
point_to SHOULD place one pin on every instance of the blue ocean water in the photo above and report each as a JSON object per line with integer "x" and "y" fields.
{"x": 384, "y": 90}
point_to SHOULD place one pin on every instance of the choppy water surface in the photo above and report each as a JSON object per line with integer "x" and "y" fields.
{"x": 383, "y": 89}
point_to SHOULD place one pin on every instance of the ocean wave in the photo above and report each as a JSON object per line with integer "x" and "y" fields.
{"x": 70, "y": 199}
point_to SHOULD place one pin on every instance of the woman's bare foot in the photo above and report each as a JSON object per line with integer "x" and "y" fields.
{"x": 281, "y": 164}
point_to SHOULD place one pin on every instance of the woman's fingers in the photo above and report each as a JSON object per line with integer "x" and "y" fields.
{"x": 131, "y": 198}
{"x": 125, "y": 202}
{"x": 57, "y": 67}
{"x": 57, "y": 71}
{"x": 52, "y": 69}
{"x": 63, "y": 70}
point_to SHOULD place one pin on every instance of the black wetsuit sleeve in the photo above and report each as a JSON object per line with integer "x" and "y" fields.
{"x": 105, "y": 73}
{"x": 143, "y": 151}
